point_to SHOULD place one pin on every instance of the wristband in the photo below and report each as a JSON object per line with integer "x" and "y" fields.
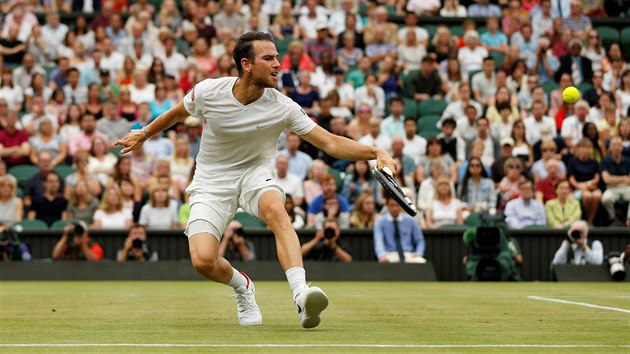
{"x": 144, "y": 132}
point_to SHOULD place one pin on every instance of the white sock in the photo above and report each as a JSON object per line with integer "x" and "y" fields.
{"x": 238, "y": 280}
{"x": 297, "y": 279}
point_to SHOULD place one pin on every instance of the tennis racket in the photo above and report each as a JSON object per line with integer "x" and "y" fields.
{"x": 385, "y": 177}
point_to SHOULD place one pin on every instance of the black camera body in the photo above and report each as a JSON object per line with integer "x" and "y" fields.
{"x": 574, "y": 236}
{"x": 329, "y": 233}
{"x": 137, "y": 243}
{"x": 9, "y": 238}
{"x": 76, "y": 230}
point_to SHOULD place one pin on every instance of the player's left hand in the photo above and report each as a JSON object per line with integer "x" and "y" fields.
{"x": 133, "y": 140}
{"x": 383, "y": 159}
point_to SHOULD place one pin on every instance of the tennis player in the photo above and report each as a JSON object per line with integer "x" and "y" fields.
{"x": 242, "y": 119}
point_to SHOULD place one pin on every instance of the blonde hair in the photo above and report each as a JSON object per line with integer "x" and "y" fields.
{"x": 280, "y": 19}
{"x": 106, "y": 206}
{"x": 317, "y": 163}
{"x": 359, "y": 218}
{"x": 6, "y": 180}
{"x": 152, "y": 200}
{"x": 443, "y": 180}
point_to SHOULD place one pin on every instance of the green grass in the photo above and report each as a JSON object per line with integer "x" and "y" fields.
{"x": 359, "y": 313}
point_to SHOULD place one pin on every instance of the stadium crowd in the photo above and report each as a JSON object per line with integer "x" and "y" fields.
{"x": 470, "y": 113}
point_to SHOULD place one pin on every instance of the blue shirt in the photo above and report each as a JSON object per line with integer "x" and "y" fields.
{"x": 616, "y": 169}
{"x": 494, "y": 40}
{"x": 411, "y": 238}
{"x": 299, "y": 164}
{"x": 391, "y": 127}
{"x": 541, "y": 71}
{"x": 519, "y": 214}
{"x": 317, "y": 205}
{"x": 157, "y": 109}
{"x": 490, "y": 10}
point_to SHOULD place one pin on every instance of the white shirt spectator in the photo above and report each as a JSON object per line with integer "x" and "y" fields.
{"x": 415, "y": 148}
{"x": 377, "y": 102}
{"x": 571, "y": 127}
{"x": 533, "y": 128}
{"x": 291, "y": 184}
{"x": 54, "y": 36}
{"x": 174, "y": 63}
{"x": 309, "y": 25}
{"x": 422, "y": 35}
{"x": 147, "y": 94}
{"x": 471, "y": 60}
{"x": 113, "y": 62}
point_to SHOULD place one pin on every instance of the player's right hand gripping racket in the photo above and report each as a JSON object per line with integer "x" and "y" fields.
{"x": 385, "y": 177}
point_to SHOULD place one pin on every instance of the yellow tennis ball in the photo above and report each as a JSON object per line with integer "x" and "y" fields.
{"x": 570, "y": 94}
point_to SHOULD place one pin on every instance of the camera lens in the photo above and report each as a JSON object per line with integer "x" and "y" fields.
{"x": 329, "y": 232}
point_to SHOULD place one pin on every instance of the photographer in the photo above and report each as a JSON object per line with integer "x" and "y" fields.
{"x": 575, "y": 248}
{"x": 11, "y": 249}
{"x": 325, "y": 246}
{"x": 75, "y": 244}
{"x": 135, "y": 247}
{"x": 234, "y": 246}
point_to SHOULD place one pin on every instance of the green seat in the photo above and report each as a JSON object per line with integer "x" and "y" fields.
{"x": 247, "y": 220}
{"x": 64, "y": 170}
{"x": 19, "y": 192}
{"x": 410, "y": 108}
{"x": 431, "y": 107}
{"x": 338, "y": 178}
{"x": 451, "y": 226}
{"x": 406, "y": 79}
{"x": 608, "y": 35}
{"x": 457, "y": 30}
{"x": 472, "y": 74}
{"x": 33, "y": 224}
{"x": 23, "y": 173}
{"x": 583, "y": 87}
{"x": 427, "y": 126}
{"x": 282, "y": 46}
{"x": 498, "y": 59}
{"x": 59, "y": 224}
{"x": 535, "y": 227}
{"x": 625, "y": 42}
{"x": 550, "y": 86}
{"x": 431, "y": 29}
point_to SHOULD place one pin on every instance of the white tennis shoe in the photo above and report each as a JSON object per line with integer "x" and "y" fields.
{"x": 248, "y": 312}
{"x": 310, "y": 303}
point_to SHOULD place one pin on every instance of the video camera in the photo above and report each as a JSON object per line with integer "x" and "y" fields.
{"x": 12, "y": 247}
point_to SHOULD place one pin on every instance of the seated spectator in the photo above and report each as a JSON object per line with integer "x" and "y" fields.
{"x": 73, "y": 90}
{"x": 81, "y": 204}
{"x": 447, "y": 137}
{"x": 11, "y": 207}
{"x": 122, "y": 172}
{"x": 101, "y": 161}
{"x": 525, "y": 210}
{"x": 476, "y": 190}
{"x": 94, "y": 105}
{"x": 332, "y": 209}
{"x": 397, "y": 237}
{"x": 434, "y": 153}
{"x": 161, "y": 212}
{"x": 607, "y": 126}
{"x": 584, "y": 73}
{"x": 358, "y": 182}
{"x": 47, "y": 140}
{"x": 329, "y": 191}
{"x": 426, "y": 192}
{"x": 284, "y": 24}
{"x": 576, "y": 245}
{"x": 181, "y": 163}
{"x": 456, "y": 108}
{"x": 598, "y": 148}
{"x": 471, "y": 56}
{"x": 136, "y": 248}
{"x": 234, "y": 246}
{"x": 411, "y": 52}
{"x": 444, "y": 209}
{"x": 483, "y": 8}
{"x": 35, "y": 185}
{"x": 546, "y": 187}
{"x": 13, "y": 95}
{"x": 583, "y": 173}
{"x": 622, "y": 94}
{"x": 494, "y": 40}
{"x": 535, "y": 123}
{"x": 112, "y": 214}
{"x": 393, "y": 124}
{"x": 14, "y": 146}
{"x": 71, "y": 123}
{"x": 452, "y": 8}
{"x": 326, "y": 245}
{"x": 81, "y": 161}
{"x": 161, "y": 176}
{"x": 562, "y": 211}
{"x": 509, "y": 185}
{"x": 371, "y": 95}
{"x": 305, "y": 94}
{"x": 295, "y": 213}
{"x": 75, "y": 245}
{"x": 111, "y": 124}
{"x": 451, "y": 74}
{"x": 364, "y": 211}
{"x": 615, "y": 169}
{"x": 427, "y": 84}
{"x": 49, "y": 206}
{"x": 312, "y": 185}
{"x": 415, "y": 146}
{"x": 299, "y": 162}
{"x": 360, "y": 125}
{"x": 36, "y": 114}
{"x": 501, "y": 98}
{"x": 83, "y": 139}
{"x": 498, "y": 171}
{"x": 522, "y": 149}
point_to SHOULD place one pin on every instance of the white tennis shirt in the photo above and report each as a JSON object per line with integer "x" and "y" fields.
{"x": 236, "y": 136}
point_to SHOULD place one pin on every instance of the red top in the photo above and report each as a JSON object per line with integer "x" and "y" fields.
{"x": 11, "y": 140}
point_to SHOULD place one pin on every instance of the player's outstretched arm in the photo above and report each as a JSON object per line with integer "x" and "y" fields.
{"x": 347, "y": 149}
{"x": 135, "y": 138}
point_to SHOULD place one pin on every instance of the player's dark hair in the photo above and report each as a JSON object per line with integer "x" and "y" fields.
{"x": 245, "y": 47}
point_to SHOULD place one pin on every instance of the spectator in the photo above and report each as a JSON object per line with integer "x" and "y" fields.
{"x": 393, "y": 125}
{"x": 326, "y": 245}
{"x": 593, "y": 49}
{"x": 380, "y": 48}
{"x": 39, "y": 88}
{"x": 598, "y": 149}
{"x": 525, "y": 210}
{"x": 101, "y": 161}
{"x": 13, "y": 48}
{"x": 31, "y": 120}
{"x": 14, "y": 146}
{"x": 622, "y": 94}
{"x": 471, "y": 56}
{"x": 542, "y": 21}
{"x": 193, "y": 132}
{"x": 536, "y": 121}
{"x": 329, "y": 191}
{"x": 509, "y": 185}
{"x": 476, "y": 190}
{"x": 596, "y": 113}
{"x": 579, "y": 67}
{"x": 331, "y": 209}
{"x": 380, "y": 20}
{"x": 556, "y": 100}
{"x": 50, "y": 206}
{"x": 397, "y": 237}
{"x": 299, "y": 162}
{"x": 296, "y": 214}
{"x": 408, "y": 164}
{"x": 494, "y": 40}
{"x": 75, "y": 92}
{"x": 498, "y": 171}
{"x": 75, "y": 245}
{"x": 483, "y": 8}
{"x": 290, "y": 183}
{"x": 83, "y": 139}
{"x": 543, "y": 63}
{"x": 111, "y": 125}
{"x": 562, "y": 211}
{"x": 82, "y": 204}
{"x": 442, "y": 44}
{"x": 573, "y": 126}
{"x": 312, "y": 184}
{"x": 358, "y": 182}
{"x": 111, "y": 214}
{"x": 445, "y": 209}
{"x": 311, "y": 14}
{"x": 502, "y": 97}
{"x": 593, "y": 94}
{"x": 234, "y": 246}
{"x": 549, "y": 152}
{"x": 615, "y": 170}
{"x": 452, "y": 8}
{"x": 305, "y": 94}
{"x": 284, "y": 24}
{"x": 136, "y": 248}
{"x": 415, "y": 146}
{"x": 434, "y": 153}
{"x": 411, "y": 52}
{"x": 577, "y": 245}
{"x": 48, "y": 140}
{"x": 161, "y": 212}
{"x": 447, "y": 138}
{"x": 356, "y": 76}
{"x": 577, "y": 22}
{"x": 364, "y": 211}
{"x": 375, "y": 138}
{"x": 35, "y": 186}
{"x": 159, "y": 147}
{"x": 583, "y": 173}
{"x": 427, "y": 84}
{"x": 371, "y": 95}
{"x": 11, "y": 207}
{"x": 607, "y": 126}
{"x": 456, "y": 109}
{"x": 82, "y": 172}
{"x": 522, "y": 149}
{"x": 12, "y": 94}
{"x": 426, "y": 192}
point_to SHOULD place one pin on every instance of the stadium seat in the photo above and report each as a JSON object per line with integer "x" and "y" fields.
{"x": 431, "y": 107}
{"x": 427, "y": 126}
{"x": 625, "y": 42}
{"x": 410, "y": 108}
{"x": 457, "y": 30}
{"x": 608, "y": 35}
{"x": 59, "y": 224}
{"x": 23, "y": 173}
{"x": 583, "y": 87}
{"x": 64, "y": 170}
{"x": 472, "y": 74}
{"x": 430, "y": 29}
{"x": 550, "y": 86}
{"x": 406, "y": 79}
{"x": 247, "y": 220}
{"x": 282, "y": 45}
{"x": 498, "y": 59}
{"x": 19, "y": 192}
{"x": 338, "y": 177}
{"x": 32, "y": 224}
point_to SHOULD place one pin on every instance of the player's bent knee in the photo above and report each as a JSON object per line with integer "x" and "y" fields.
{"x": 202, "y": 263}
{"x": 274, "y": 213}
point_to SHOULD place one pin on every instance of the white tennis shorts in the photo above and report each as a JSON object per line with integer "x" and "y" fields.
{"x": 212, "y": 209}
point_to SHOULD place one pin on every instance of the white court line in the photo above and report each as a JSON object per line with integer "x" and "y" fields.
{"x": 578, "y": 303}
{"x": 418, "y": 346}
